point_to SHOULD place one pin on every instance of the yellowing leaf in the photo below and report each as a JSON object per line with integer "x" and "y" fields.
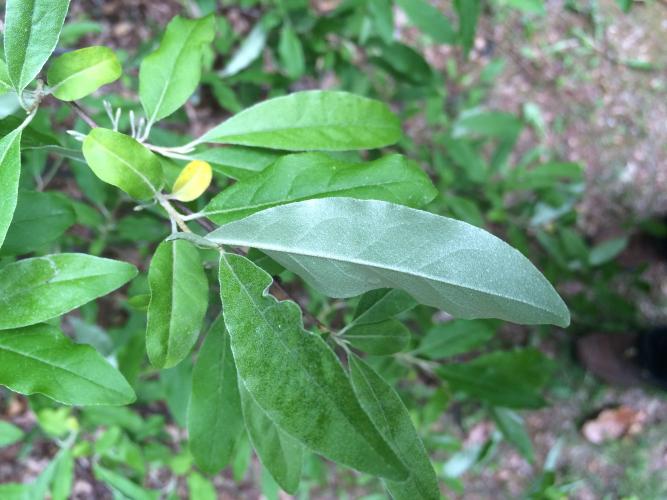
{"x": 193, "y": 180}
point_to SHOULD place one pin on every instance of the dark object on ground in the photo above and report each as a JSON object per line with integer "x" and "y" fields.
{"x": 626, "y": 360}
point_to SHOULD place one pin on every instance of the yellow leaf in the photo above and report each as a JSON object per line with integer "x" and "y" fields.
{"x": 193, "y": 180}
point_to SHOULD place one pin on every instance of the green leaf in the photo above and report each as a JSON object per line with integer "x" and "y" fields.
{"x": 382, "y": 16}
{"x": 281, "y": 454}
{"x": 505, "y": 378}
{"x": 315, "y": 403}
{"x": 237, "y": 162}
{"x": 10, "y": 171}
{"x": 315, "y": 175}
{"x": 5, "y": 81}
{"x": 311, "y": 120}
{"x": 454, "y": 337}
{"x": 201, "y": 488}
{"x": 119, "y": 160}
{"x": 39, "y": 219}
{"x": 119, "y": 484}
{"x": 429, "y": 20}
{"x": 41, "y": 360}
{"x": 344, "y": 247}
{"x": 81, "y": 72}
{"x": 32, "y": 28}
{"x": 250, "y": 49}
{"x": 169, "y": 76}
{"x": 513, "y": 429}
{"x": 41, "y": 288}
{"x": 290, "y": 51}
{"x": 215, "y": 422}
{"x": 179, "y": 299}
{"x": 381, "y": 339}
{"x": 468, "y": 12}
{"x": 9, "y": 434}
{"x": 381, "y": 304}
{"x": 481, "y": 123}
{"x": 392, "y": 419}
{"x": 607, "y": 251}
{"x": 63, "y": 476}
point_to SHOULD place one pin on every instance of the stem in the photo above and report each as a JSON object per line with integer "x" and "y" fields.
{"x": 174, "y": 216}
{"x": 83, "y": 115}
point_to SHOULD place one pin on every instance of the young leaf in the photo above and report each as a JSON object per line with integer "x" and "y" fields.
{"x": 505, "y": 378}
{"x": 315, "y": 403}
{"x": 9, "y": 434}
{"x": 311, "y": 120}
{"x": 454, "y": 337}
{"x": 392, "y": 419}
{"x": 81, "y": 72}
{"x": 281, "y": 454}
{"x": 179, "y": 299}
{"x": 193, "y": 180}
{"x": 344, "y": 247}
{"x": 429, "y": 20}
{"x": 41, "y": 288}
{"x": 291, "y": 52}
{"x": 121, "y": 161}
{"x": 215, "y": 422}
{"x": 39, "y": 219}
{"x": 303, "y": 176}
{"x": 381, "y": 339}
{"x": 10, "y": 171}
{"x": 40, "y": 360}
{"x": 32, "y": 28}
{"x": 169, "y": 76}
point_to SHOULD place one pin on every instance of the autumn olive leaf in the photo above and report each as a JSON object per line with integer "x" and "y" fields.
{"x": 381, "y": 339}
{"x": 81, "y": 72}
{"x": 169, "y": 76}
{"x": 32, "y": 29}
{"x": 290, "y": 51}
{"x": 41, "y": 288}
{"x": 5, "y": 81}
{"x": 392, "y": 419}
{"x": 311, "y": 120}
{"x": 40, "y": 360}
{"x": 194, "y": 179}
{"x": 381, "y": 304}
{"x": 10, "y": 171}
{"x": 344, "y": 247}
{"x": 281, "y": 454}
{"x": 303, "y": 176}
{"x": 121, "y": 161}
{"x": 315, "y": 403}
{"x": 215, "y": 421}
{"x": 179, "y": 299}
{"x": 454, "y": 337}
{"x": 237, "y": 162}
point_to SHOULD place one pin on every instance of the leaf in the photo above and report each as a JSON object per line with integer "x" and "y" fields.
{"x": 237, "y": 162}
{"x": 468, "y": 12}
{"x": 5, "y": 81}
{"x": 192, "y": 182}
{"x": 32, "y": 28}
{"x": 381, "y": 339}
{"x": 40, "y": 360}
{"x": 250, "y": 50}
{"x": 79, "y": 73}
{"x": 10, "y": 171}
{"x": 119, "y": 484}
{"x": 290, "y": 51}
{"x": 382, "y": 15}
{"x": 41, "y": 288}
{"x": 315, "y": 403}
{"x": 281, "y": 454}
{"x": 215, "y": 421}
{"x": 381, "y": 304}
{"x": 200, "y": 488}
{"x": 9, "y": 434}
{"x": 405, "y": 63}
{"x": 429, "y": 20}
{"x": 311, "y": 120}
{"x": 63, "y": 475}
{"x": 179, "y": 299}
{"x": 607, "y": 251}
{"x": 392, "y": 419}
{"x": 513, "y": 429}
{"x": 121, "y": 161}
{"x": 504, "y": 378}
{"x": 169, "y": 76}
{"x": 454, "y": 337}
{"x": 39, "y": 219}
{"x": 344, "y": 247}
{"x": 298, "y": 177}
{"x": 481, "y": 123}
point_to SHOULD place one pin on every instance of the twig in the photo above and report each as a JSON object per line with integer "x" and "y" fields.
{"x": 83, "y": 115}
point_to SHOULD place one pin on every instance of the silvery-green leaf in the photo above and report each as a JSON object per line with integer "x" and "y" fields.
{"x": 344, "y": 247}
{"x": 10, "y": 171}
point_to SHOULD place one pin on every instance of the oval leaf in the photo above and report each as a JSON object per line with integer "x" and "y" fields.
{"x": 32, "y": 29}
{"x": 215, "y": 422}
{"x": 121, "y": 161}
{"x": 179, "y": 299}
{"x": 344, "y": 247}
{"x": 193, "y": 180}
{"x": 81, "y": 72}
{"x": 381, "y": 339}
{"x": 41, "y": 288}
{"x": 315, "y": 175}
{"x": 41, "y": 360}
{"x": 169, "y": 76}
{"x": 10, "y": 172}
{"x": 272, "y": 350}
{"x": 311, "y": 120}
